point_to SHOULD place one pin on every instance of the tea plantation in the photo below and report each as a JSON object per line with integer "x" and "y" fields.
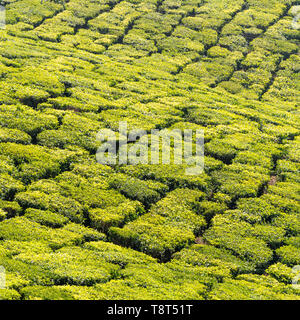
{"x": 72, "y": 228}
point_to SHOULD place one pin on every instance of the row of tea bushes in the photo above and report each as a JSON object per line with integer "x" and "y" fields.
{"x": 22, "y": 229}
{"x": 170, "y": 225}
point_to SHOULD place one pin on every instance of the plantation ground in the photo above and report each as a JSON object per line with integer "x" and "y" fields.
{"x": 75, "y": 229}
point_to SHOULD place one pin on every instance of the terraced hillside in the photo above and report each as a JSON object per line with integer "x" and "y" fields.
{"x": 72, "y": 228}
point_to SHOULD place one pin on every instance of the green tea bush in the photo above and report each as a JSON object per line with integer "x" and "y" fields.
{"x": 239, "y": 181}
{"x": 103, "y": 219}
{"x": 3, "y": 215}
{"x": 14, "y": 135}
{"x": 22, "y": 229}
{"x": 238, "y": 237}
{"x": 290, "y": 222}
{"x": 7, "y": 165}
{"x": 129, "y": 290}
{"x": 44, "y": 81}
{"x": 147, "y": 232}
{"x": 15, "y": 247}
{"x": 11, "y": 208}
{"x": 70, "y": 69}
{"x": 146, "y": 192}
{"x": 73, "y": 265}
{"x": 281, "y": 273}
{"x": 209, "y": 209}
{"x": 9, "y": 294}
{"x": 118, "y": 255}
{"x": 289, "y": 255}
{"x": 256, "y": 210}
{"x": 94, "y": 193}
{"x": 15, "y": 281}
{"x": 32, "y": 273}
{"x": 205, "y": 255}
{"x": 53, "y": 202}
{"x": 273, "y": 236}
{"x": 9, "y": 187}
{"x": 245, "y": 290}
{"x": 47, "y": 218}
{"x": 152, "y": 234}
{"x": 172, "y": 175}
{"x": 87, "y": 233}
{"x": 46, "y": 293}
{"x": 286, "y": 190}
{"x": 178, "y": 207}
{"x": 25, "y": 119}
{"x": 37, "y": 162}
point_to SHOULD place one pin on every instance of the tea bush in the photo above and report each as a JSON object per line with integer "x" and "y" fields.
{"x": 72, "y": 228}
{"x": 47, "y": 218}
{"x": 239, "y": 237}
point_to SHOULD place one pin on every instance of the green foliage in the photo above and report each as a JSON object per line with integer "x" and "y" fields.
{"x": 239, "y": 181}
{"x": 256, "y": 210}
{"x": 172, "y": 175}
{"x": 205, "y": 255}
{"x": 169, "y": 226}
{"x": 47, "y": 218}
{"x": 281, "y": 272}
{"x": 11, "y": 208}
{"x": 118, "y": 255}
{"x": 53, "y": 202}
{"x": 9, "y": 187}
{"x": 289, "y": 255}
{"x": 103, "y": 219}
{"x": 14, "y": 135}
{"x": 152, "y": 235}
{"x": 22, "y": 229}
{"x": 239, "y": 237}
{"x": 36, "y": 162}
{"x": 73, "y": 265}
{"x": 146, "y": 192}
{"x": 9, "y": 294}
{"x": 71, "y": 68}
{"x": 246, "y": 289}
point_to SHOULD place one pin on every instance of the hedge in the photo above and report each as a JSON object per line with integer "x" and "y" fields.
{"x": 74, "y": 265}
{"x": 11, "y": 208}
{"x": 14, "y": 135}
{"x": 146, "y": 192}
{"x": 281, "y": 272}
{"x": 36, "y": 162}
{"x": 246, "y": 290}
{"x": 9, "y": 294}
{"x": 68, "y": 71}
{"x": 205, "y": 255}
{"x": 289, "y": 255}
{"x": 172, "y": 175}
{"x": 14, "y": 247}
{"x": 9, "y": 187}
{"x": 256, "y": 210}
{"x": 153, "y": 236}
{"x": 163, "y": 230}
{"x": 118, "y": 255}
{"x": 239, "y": 237}
{"x": 53, "y": 202}
{"x": 239, "y": 181}
{"x": 22, "y": 229}
{"x": 34, "y": 274}
{"x": 103, "y": 219}
{"x": 47, "y": 218}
